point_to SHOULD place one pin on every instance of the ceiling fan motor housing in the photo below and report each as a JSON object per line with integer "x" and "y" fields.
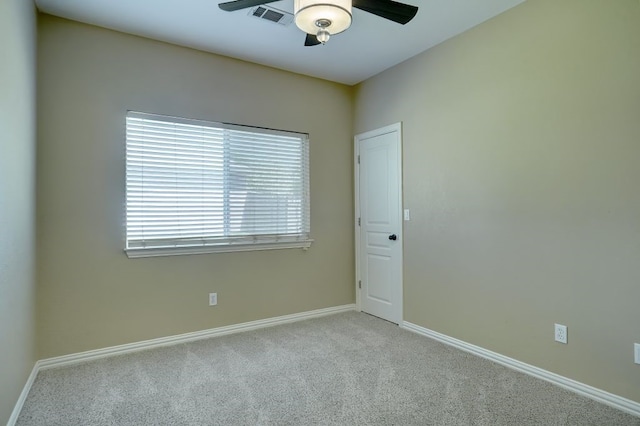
{"x": 308, "y": 13}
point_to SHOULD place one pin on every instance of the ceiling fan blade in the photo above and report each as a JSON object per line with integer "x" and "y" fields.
{"x": 388, "y": 9}
{"x": 230, "y": 6}
{"x": 311, "y": 40}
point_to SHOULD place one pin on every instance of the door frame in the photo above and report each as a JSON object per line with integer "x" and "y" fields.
{"x": 397, "y": 128}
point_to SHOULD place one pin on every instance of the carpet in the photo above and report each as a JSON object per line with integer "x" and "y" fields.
{"x": 345, "y": 369}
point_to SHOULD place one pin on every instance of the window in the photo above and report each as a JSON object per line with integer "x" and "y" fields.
{"x": 200, "y": 187}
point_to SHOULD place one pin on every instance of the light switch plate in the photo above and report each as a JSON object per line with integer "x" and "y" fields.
{"x": 407, "y": 215}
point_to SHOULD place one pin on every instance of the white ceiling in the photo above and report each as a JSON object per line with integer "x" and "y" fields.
{"x": 370, "y": 46}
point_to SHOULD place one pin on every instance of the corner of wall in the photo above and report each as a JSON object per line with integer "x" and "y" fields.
{"x": 17, "y": 191}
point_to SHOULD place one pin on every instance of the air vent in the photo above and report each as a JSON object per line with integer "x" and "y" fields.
{"x": 271, "y": 14}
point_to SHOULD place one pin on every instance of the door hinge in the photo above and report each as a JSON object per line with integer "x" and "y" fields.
{"x": 358, "y": 221}
{"x": 359, "y": 283}
{"x": 358, "y": 159}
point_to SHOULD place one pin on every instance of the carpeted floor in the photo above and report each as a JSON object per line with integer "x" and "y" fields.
{"x": 346, "y": 369}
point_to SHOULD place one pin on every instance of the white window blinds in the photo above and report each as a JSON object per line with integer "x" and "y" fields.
{"x": 196, "y": 187}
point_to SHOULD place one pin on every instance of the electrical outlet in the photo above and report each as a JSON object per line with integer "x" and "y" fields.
{"x": 561, "y": 333}
{"x": 407, "y": 215}
{"x": 213, "y": 299}
{"x": 636, "y": 347}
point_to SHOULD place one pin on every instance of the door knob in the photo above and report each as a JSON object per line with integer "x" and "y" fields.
{"x": 393, "y": 237}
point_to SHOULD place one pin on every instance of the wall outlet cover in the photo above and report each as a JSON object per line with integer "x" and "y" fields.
{"x": 561, "y": 333}
{"x": 636, "y": 351}
{"x": 213, "y": 299}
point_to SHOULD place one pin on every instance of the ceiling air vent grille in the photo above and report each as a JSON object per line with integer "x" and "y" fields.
{"x": 271, "y": 14}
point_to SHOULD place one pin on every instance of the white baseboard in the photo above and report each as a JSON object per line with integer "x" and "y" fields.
{"x": 165, "y": 341}
{"x": 188, "y": 337}
{"x": 23, "y": 396}
{"x": 599, "y": 395}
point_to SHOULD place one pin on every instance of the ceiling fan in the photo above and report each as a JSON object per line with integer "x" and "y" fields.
{"x": 321, "y": 19}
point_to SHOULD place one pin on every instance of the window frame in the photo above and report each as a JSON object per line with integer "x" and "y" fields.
{"x": 256, "y": 242}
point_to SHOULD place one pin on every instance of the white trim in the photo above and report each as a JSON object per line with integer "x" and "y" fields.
{"x": 139, "y": 252}
{"x": 356, "y": 180}
{"x": 596, "y": 394}
{"x": 23, "y": 396}
{"x": 80, "y": 357}
{"x": 188, "y": 337}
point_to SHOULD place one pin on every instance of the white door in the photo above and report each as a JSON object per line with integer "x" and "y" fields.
{"x": 379, "y": 234}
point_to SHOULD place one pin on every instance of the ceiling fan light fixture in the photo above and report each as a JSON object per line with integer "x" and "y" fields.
{"x": 323, "y": 36}
{"x": 323, "y": 17}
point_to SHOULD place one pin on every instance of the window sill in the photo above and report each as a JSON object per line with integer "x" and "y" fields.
{"x": 223, "y": 248}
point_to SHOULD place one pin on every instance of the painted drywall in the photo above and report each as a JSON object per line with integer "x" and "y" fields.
{"x": 90, "y": 295}
{"x": 17, "y": 199}
{"x": 521, "y": 170}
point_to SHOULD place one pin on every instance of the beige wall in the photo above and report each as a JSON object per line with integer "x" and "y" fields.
{"x": 522, "y": 173}
{"x": 17, "y": 199}
{"x": 520, "y": 168}
{"x": 90, "y": 294}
